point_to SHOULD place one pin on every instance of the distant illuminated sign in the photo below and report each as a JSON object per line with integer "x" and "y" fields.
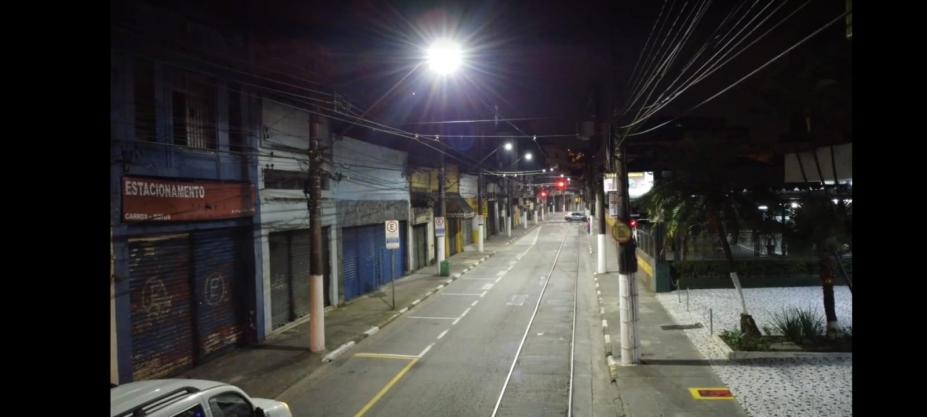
{"x": 639, "y": 183}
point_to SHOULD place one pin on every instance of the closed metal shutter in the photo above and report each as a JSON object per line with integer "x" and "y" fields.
{"x": 161, "y": 314}
{"x": 299, "y": 272}
{"x": 279, "y": 279}
{"x": 349, "y": 244}
{"x": 219, "y": 272}
{"x": 420, "y": 240}
{"x": 468, "y": 231}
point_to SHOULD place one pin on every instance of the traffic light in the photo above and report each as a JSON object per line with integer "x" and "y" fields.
{"x": 561, "y": 185}
{"x": 543, "y": 193}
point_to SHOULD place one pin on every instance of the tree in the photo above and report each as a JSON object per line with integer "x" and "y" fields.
{"x": 706, "y": 192}
{"x": 824, "y": 225}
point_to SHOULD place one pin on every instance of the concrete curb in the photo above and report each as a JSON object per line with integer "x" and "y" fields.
{"x": 337, "y": 352}
{"x": 375, "y": 329}
{"x": 612, "y": 367}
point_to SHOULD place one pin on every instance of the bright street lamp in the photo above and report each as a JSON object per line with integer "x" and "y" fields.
{"x": 508, "y": 146}
{"x": 528, "y": 156}
{"x": 444, "y": 57}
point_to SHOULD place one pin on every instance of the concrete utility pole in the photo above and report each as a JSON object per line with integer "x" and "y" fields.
{"x": 600, "y": 226}
{"x": 442, "y": 212}
{"x": 479, "y": 209}
{"x": 627, "y": 266}
{"x": 316, "y": 287}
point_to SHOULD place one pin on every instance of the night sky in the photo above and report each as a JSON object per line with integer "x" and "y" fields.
{"x": 537, "y": 60}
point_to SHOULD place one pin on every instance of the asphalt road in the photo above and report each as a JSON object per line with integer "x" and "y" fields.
{"x": 500, "y": 341}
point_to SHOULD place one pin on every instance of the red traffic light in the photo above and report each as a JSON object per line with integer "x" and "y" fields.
{"x": 543, "y": 193}
{"x": 634, "y": 224}
{"x": 560, "y": 184}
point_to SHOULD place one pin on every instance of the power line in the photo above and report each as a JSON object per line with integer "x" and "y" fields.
{"x": 748, "y": 75}
{"x": 658, "y": 105}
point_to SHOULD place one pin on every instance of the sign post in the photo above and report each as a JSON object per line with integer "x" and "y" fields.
{"x": 392, "y": 243}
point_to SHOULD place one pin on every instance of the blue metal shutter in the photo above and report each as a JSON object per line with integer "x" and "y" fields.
{"x": 349, "y": 251}
{"x": 384, "y": 256}
{"x": 219, "y": 272}
{"x": 367, "y": 253}
{"x": 403, "y": 251}
{"x": 162, "y": 321}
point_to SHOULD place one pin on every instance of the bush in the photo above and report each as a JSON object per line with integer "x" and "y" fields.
{"x": 737, "y": 340}
{"x": 705, "y": 268}
{"x": 798, "y": 325}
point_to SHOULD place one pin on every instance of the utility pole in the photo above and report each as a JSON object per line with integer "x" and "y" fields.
{"x": 509, "y": 207}
{"x": 479, "y": 203}
{"x": 627, "y": 266}
{"x": 316, "y": 287}
{"x": 442, "y": 211}
{"x": 600, "y": 225}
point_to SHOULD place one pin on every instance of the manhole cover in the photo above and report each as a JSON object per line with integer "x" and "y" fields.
{"x": 681, "y": 326}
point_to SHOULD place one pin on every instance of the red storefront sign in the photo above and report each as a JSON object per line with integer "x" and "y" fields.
{"x": 145, "y": 199}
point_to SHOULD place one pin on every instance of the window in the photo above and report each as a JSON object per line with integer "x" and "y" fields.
{"x": 285, "y": 180}
{"x": 194, "y": 104}
{"x": 236, "y": 142}
{"x": 230, "y": 404}
{"x": 144, "y": 100}
{"x": 290, "y": 180}
{"x": 193, "y": 412}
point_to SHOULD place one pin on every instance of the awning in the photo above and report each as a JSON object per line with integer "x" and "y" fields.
{"x": 458, "y": 208}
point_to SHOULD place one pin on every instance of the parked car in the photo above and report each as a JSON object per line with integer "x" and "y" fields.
{"x": 575, "y": 216}
{"x": 189, "y": 398}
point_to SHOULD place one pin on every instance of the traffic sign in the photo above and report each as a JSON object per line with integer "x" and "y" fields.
{"x": 439, "y": 226}
{"x": 392, "y": 234}
{"x": 622, "y": 232}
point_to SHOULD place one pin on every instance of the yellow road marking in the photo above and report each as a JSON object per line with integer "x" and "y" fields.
{"x": 385, "y": 356}
{"x": 386, "y": 389}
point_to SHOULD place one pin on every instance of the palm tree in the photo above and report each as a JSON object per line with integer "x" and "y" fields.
{"x": 706, "y": 193}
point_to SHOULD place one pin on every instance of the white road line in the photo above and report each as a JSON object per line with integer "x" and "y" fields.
{"x": 442, "y": 334}
{"x": 604, "y": 323}
{"x": 465, "y": 312}
{"x": 486, "y": 287}
{"x": 426, "y": 350}
{"x": 404, "y": 309}
{"x": 473, "y": 304}
{"x": 483, "y": 294}
{"x": 416, "y": 301}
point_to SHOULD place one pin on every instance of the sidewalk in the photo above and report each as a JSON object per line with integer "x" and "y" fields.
{"x": 267, "y": 369}
{"x": 671, "y": 365}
